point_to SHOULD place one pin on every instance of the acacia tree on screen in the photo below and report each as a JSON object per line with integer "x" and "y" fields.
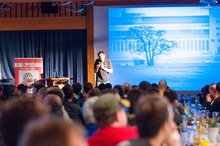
{"x": 150, "y": 41}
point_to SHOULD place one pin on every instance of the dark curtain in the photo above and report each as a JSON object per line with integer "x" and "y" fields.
{"x": 62, "y": 50}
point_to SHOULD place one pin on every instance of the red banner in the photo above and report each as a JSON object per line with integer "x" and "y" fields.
{"x": 27, "y": 70}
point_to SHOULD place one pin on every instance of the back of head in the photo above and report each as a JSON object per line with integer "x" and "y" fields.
{"x": 212, "y": 88}
{"x": 68, "y": 91}
{"x": 218, "y": 87}
{"x": 94, "y": 92}
{"x": 144, "y": 86}
{"x": 133, "y": 96}
{"x": 102, "y": 87}
{"x": 87, "y": 87}
{"x": 22, "y": 88}
{"x": 154, "y": 85}
{"x": 15, "y": 114}
{"x": 206, "y": 89}
{"x": 41, "y": 94}
{"x": 77, "y": 87}
{"x": 171, "y": 95}
{"x": 151, "y": 113}
{"x": 108, "y": 86}
{"x": 87, "y": 110}
{"x": 121, "y": 90}
{"x": 134, "y": 87}
{"x": 127, "y": 87}
{"x": 162, "y": 84}
{"x": 53, "y": 102}
{"x": 52, "y": 132}
{"x": 105, "y": 109}
{"x": 5, "y": 92}
{"x": 57, "y": 91}
{"x": 38, "y": 87}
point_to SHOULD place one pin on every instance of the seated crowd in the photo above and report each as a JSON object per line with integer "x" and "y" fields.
{"x": 123, "y": 115}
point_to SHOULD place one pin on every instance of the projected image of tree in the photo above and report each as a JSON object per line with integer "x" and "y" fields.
{"x": 150, "y": 41}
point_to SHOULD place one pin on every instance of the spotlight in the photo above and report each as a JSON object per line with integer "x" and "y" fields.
{"x": 209, "y": 2}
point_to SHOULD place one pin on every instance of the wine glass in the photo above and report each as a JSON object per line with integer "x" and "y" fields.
{"x": 215, "y": 116}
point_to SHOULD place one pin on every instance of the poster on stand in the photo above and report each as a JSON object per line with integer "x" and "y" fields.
{"x": 27, "y": 70}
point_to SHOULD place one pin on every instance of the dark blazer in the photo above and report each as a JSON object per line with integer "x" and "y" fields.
{"x": 215, "y": 106}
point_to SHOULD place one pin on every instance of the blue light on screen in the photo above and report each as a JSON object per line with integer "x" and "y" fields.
{"x": 179, "y": 44}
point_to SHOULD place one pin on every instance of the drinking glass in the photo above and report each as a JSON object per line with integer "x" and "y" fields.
{"x": 215, "y": 116}
{"x": 204, "y": 141}
{"x": 196, "y": 137}
{"x": 218, "y": 140}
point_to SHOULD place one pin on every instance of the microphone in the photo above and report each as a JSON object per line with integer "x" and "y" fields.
{"x": 55, "y": 73}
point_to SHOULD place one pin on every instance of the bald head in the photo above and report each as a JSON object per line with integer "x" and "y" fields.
{"x": 162, "y": 84}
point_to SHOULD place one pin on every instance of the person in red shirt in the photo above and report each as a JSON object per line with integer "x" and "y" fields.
{"x": 112, "y": 122}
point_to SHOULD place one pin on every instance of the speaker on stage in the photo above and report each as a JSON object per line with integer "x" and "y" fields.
{"x": 48, "y": 8}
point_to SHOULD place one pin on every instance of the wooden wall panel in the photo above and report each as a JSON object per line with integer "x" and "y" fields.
{"x": 144, "y": 2}
{"x": 90, "y": 46}
{"x": 51, "y": 23}
{"x": 34, "y": 10}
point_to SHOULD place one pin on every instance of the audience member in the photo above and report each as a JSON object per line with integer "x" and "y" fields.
{"x": 215, "y": 104}
{"x": 155, "y": 123}
{"x": 37, "y": 87}
{"x": 54, "y": 104}
{"x": 133, "y": 96}
{"x": 112, "y": 122}
{"x": 113, "y": 91}
{"x": 57, "y": 91}
{"x": 94, "y": 92}
{"x": 73, "y": 109}
{"x": 87, "y": 87}
{"x": 171, "y": 95}
{"x": 41, "y": 94}
{"x": 162, "y": 86}
{"x": 15, "y": 114}
{"x": 78, "y": 96}
{"x": 5, "y": 93}
{"x": 202, "y": 95}
{"x": 53, "y": 132}
{"x": 88, "y": 116}
{"x": 21, "y": 89}
{"x": 127, "y": 88}
{"x": 144, "y": 86}
{"x": 102, "y": 87}
{"x": 120, "y": 90}
{"x": 154, "y": 85}
{"x": 134, "y": 87}
{"x": 108, "y": 86}
{"x": 210, "y": 96}
{"x": 154, "y": 89}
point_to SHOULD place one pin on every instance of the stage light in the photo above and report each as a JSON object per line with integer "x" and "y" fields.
{"x": 209, "y": 2}
{"x": 5, "y": 6}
